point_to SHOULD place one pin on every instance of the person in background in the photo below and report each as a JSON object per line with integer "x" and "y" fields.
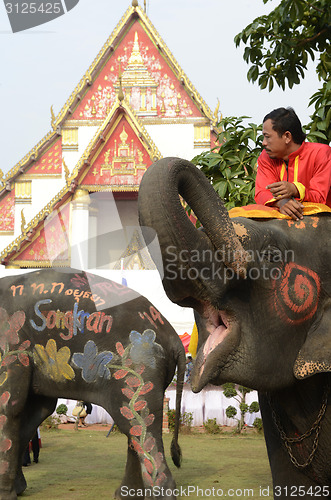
{"x": 35, "y": 450}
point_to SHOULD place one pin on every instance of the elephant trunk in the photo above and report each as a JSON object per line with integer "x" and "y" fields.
{"x": 192, "y": 258}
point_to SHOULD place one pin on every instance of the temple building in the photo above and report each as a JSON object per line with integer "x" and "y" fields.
{"x": 72, "y": 199}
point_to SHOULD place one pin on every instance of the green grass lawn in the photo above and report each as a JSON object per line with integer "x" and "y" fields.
{"x": 87, "y": 465}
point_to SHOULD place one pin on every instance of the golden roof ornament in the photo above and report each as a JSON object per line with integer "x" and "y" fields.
{"x": 216, "y": 111}
{"x": 53, "y": 118}
{"x": 120, "y": 94}
{"x": 134, "y": 3}
{"x": 2, "y": 182}
{"x": 123, "y": 136}
{"x": 135, "y": 58}
{"x": 66, "y": 171}
{"x": 23, "y": 221}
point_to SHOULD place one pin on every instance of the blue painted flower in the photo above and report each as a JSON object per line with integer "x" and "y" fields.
{"x": 93, "y": 365}
{"x": 144, "y": 349}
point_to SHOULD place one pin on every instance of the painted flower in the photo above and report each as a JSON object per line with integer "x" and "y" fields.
{"x": 93, "y": 365}
{"x": 144, "y": 349}
{"x": 9, "y": 327}
{"x": 52, "y": 362}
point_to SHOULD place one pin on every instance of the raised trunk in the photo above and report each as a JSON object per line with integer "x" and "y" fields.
{"x": 193, "y": 259}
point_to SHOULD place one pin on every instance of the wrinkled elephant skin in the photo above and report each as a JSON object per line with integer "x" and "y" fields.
{"x": 78, "y": 336}
{"x": 261, "y": 291}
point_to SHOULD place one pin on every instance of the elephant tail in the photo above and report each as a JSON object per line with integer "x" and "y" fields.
{"x": 176, "y": 452}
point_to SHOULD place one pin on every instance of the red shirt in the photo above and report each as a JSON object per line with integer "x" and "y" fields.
{"x": 309, "y": 168}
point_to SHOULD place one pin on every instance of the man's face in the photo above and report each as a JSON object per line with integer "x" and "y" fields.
{"x": 275, "y": 146}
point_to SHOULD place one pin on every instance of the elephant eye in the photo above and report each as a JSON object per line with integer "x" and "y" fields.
{"x": 272, "y": 254}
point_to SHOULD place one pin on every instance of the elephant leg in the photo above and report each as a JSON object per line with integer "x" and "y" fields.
{"x": 146, "y": 465}
{"x": 13, "y": 397}
{"x": 36, "y": 410}
{"x": 132, "y": 481}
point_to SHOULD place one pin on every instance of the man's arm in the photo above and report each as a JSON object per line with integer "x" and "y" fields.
{"x": 318, "y": 187}
{"x": 266, "y": 174}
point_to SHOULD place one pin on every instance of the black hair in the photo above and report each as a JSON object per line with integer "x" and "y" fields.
{"x": 285, "y": 120}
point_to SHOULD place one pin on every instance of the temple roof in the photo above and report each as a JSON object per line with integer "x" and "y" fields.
{"x": 137, "y": 48}
{"x": 131, "y": 151}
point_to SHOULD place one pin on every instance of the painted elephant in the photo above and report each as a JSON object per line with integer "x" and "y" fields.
{"x": 78, "y": 336}
{"x": 262, "y": 292}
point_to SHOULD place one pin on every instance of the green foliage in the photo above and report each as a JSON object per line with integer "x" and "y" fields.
{"x": 51, "y": 423}
{"x": 62, "y": 409}
{"x": 185, "y": 421}
{"x": 232, "y": 167}
{"x": 211, "y": 426}
{"x": 258, "y": 424}
{"x": 239, "y": 394}
{"x": 231, "y": 412}
{"x": 279, "y": 46}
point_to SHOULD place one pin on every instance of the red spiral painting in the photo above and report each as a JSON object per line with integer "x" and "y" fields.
{"x": 296, "y": 293}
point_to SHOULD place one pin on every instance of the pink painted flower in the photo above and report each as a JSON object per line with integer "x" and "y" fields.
{"x": 9, "y": 327}
{"x": 5, "y": 445}
{"x": 4, "y": 398}
{"x": 4, "y": 466}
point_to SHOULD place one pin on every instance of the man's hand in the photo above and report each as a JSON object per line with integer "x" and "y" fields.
{"x": 290, "y": 207}
{"x": 283, "y": 189}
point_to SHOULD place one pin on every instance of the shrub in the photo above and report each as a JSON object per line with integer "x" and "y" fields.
{"x": 51, "y": 423}
{"x": 258, "y": 424}
{"x": 211, "y": 426}
{"x": 185, "y": 421}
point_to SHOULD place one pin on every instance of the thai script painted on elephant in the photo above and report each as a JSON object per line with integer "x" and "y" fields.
{"x": 152, "y": 316}
{"x": 58, "y": 288}
{"x": 73, "y": 321}
{"x": 296, "y": 294}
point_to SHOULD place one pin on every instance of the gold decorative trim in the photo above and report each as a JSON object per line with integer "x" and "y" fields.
{"x": 134, "y": 121}
{"x": 95, "y": 188}
{"x": 17, "y": 264}
{"x": 28, "y": 177}
{"x": 83, "y": 123}
{"x": 32, "y": 155}
{"x": 17, "y": 243}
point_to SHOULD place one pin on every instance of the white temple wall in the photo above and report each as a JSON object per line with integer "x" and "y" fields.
{"x": 85, "y": 135}
{"x": 174, "y": 140}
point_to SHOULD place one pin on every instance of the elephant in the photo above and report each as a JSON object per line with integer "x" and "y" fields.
{"x": 261, "y": 293}
{"x": 76, "y": 335}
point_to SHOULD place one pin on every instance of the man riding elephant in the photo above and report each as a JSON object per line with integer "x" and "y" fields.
{"x": 291, "y": 170}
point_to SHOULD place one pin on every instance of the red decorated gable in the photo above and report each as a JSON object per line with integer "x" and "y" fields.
{"x": 121, "y": 161}
{"x": 50, "y": 243}
{"x": 50, "y": 162}
{"x": 7, "y": 212}
{"x": 150, "y": 85}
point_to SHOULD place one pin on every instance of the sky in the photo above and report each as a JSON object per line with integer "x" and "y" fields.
{"x": 40, "y": 67}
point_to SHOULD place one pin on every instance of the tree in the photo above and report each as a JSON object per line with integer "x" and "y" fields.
{"x": 239, "y": 394}
{"x": 232, "y": 167}
{"x": 279, "y": 46}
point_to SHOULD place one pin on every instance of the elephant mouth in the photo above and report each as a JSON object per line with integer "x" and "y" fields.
{"x": 221, "y": 331}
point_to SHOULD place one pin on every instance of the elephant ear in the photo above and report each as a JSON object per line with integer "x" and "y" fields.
{"x": 315, "y": 355}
